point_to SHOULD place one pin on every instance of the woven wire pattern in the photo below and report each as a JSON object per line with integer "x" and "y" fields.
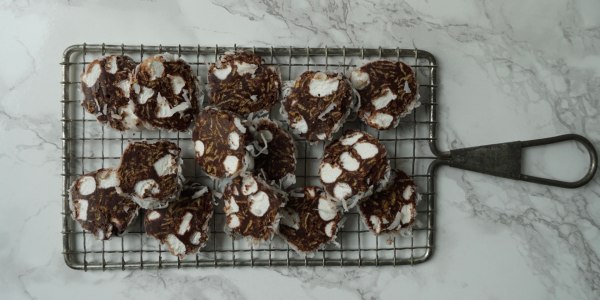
{"x": 87, "y": 146}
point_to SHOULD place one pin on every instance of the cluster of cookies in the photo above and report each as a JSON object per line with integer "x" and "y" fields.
{"x": 250, "y": 156}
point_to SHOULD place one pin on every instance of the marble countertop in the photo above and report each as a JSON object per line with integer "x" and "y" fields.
{"x": 509, "y": 70}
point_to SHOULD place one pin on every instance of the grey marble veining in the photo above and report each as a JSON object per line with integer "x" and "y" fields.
{"x": 509, "y": 70}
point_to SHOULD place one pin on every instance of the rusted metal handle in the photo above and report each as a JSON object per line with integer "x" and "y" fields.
{"x": 504, "y": 160}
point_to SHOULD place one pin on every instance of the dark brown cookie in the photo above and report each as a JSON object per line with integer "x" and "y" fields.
{"x": 241, "y": 83}
{"x": 183, "y": 226}
{"x": 278, "y": 161}
{"x": 97, "y": 207}
{"x": 352, "y": 166}
{"x": 388, "y": 92}
{"x": 392, "y": 209}
{"x": 309, "y": 219}
{"x": 252, "y": 208}
{"x": 318, "y": 104}
{"x": 107, "y": 92}
{"x": 220, "y": 141}
{"x": 167, "y": 93}
{"x": 151, "y": 173}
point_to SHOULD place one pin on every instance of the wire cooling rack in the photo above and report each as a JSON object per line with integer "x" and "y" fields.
{"x": 88, "y": 146}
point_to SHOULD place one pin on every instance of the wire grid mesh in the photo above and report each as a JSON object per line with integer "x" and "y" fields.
{"x": 88, "y": 146}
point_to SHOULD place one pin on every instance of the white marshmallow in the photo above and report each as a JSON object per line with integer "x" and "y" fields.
{"x": 87, "y": 185}
{"x": 396, "y": 223}
{"x": 342, "y": 190}
{"x": 300, "y": 127}
{"x": 146, "y": 94}
{"x": 153, "y": 215}
{"x": 232, "y": 206}
{"x": 329, "y": 173}
{"x": 366, "y": 150}
{"x": 82, "y": 209}
{"x": 177, "y": 84}
{"x": 376, "y": 222}
{"x": 166, "y": 165}
{"x": 164, "y": 109}
{"x": 176, "y": 246}
{"x": 382, "y": 120}
{"x": 384, "y": 99}
{"x": 195, "y": 238}
{"x": 348, "y": 162}
{"x": 185, "y": 223}
{"x": 407, "y": 212}
{"x": 91, "y": 75}
{"x": 259, "y": 203}
{"x": 238, "y": 123}
{"x": 111, "y": 65}
{"x": 222, "y": 73}
{"x": 233, "y": 139}
{"x": 234, "y": 221}
{"x": 231, "y": 164}
{"x": 107, "y": 179}
{"x": 199, "y": 147}
{"x": 329, "y": 229}
{"x": 359, "y": 79}
{"x": 156, "y": 69}
{"x": 321, "y": 86}
{"x": 352, "y": 139}
{"x": 327, "y": 209}
{"x": 125, "y": 86}
{"x": 407, "y": 193}
{"x": 407, "y": 88}
{"x": 245, "y": 68}
{"x": 142, "y": 186}
{"x": 249, "y": 185}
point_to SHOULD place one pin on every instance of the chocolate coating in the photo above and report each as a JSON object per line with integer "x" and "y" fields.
{"x": 183, "y": 225}
{"x": 97, "y": 207}
{"x": 107, "y": 92}
{"x": 353, "y": 165}
{"x": 241, "y": 83}
{"x": 318, "y": 116}
{"x": 280, "y": 160}
{"x": 392, "y": 209}
{"x": 167, "y": 93}
{"x": 220, "y": 141}
{"x": 388, "y": 94}
{"x": 252, "y": 207}
{"x": 151, "y": 173}
{"x": 309, "y": 219}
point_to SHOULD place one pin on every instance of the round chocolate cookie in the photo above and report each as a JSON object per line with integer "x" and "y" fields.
{"x": 107, "y": 93}
{"x": 393, "y": 209}
{"x": 151, "y": 173}
{"x": 97, "y": 207}
{"x": 309, "y": 219}
{"x": 277, "y": 162}
{"x": 388, "y": 92}
{"x": 318, "y": 104}
{"x": 241, "y": 83}
{"x": 220, "y": 141}
{"x": 167, "y": 93}
{"x": 183, "y": 226}
{"x": 252, "y": 208}
{"x": 352, "y": 166}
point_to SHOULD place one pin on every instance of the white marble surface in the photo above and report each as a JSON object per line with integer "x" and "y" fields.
{"x": 510, "y": 70}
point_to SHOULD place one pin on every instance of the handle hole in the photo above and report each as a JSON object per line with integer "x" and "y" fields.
{"x": 565, "y": 161}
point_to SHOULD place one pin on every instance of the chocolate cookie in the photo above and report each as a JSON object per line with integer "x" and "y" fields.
{"x": 220, "y": 141}
{"x": 277, "y": 162}
{"x": 183, "y": 226}
{"x": 352, "y": 166}
{"x": 98, "y": 208}
{"x": 388, "y": 92}
{"x": 241, "y": 83}
{"x": 252, "y": 208}
{"x": 394, "y": 208}
{"x": 151, "y": 173}
{"x": 318, "y": 104}
{"x": 309, "y": 219}
{"x": 167, "y": 93}
{"x": 107, "y": 93}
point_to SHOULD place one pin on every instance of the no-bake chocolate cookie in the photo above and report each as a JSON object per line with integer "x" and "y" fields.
{"x": 220, "y": 142}
{"x": 150, "y": 173}
{"x": 183, "y": 226}
{"x": 107, "y": 93}
{"x": 252, "y": 208}
{"x": 98, "y": 208}
{"x": 353, "y": 166}
{"x": 394, "y": 208}
{"x": 318, "y": 104}
{"x": 167, "y": 93}
{"x": 388, "y": 92}
{"x": 241, "y": 83}
{"x": 309, "y": 219}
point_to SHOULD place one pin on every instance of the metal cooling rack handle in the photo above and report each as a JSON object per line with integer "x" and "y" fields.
{"x": 504, "y": 160}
